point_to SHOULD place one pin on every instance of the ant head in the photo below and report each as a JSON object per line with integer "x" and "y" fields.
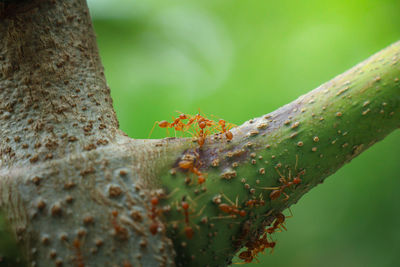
{"x": 153, "y": 228}
{"x": 224, "y": 207}
{"x": 245, "y": 254}
{"x": 274, "y": 194}
{"x": 201, "y": 179}
{"x": 296, "y": 180}
{"x": 202, "y": 124}
{"x": 77, "y": 243}
{"x": 154, "y": 201}
{"x": 185, "y": 205}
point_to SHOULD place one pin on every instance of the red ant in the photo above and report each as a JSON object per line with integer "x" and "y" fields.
{"x": 253, "y": 248}
{"x": 280, "y": 190}
{"x": 120, "y": 231}
{"x": 279, "y": 220}
{"x": 184, "y": 206}
{"x": 232, "y": 209}
{"x": 254, "y": 202}
{"x": 247, "y": 256}
{"x": 153, "y": 215}
{"x": 201, "y": 138}
{"x": 188, "y": 229}
{"x": 79, "y": 257}
{"x": 201, "y": 121}
{"x": 262, "y": 243}
{"x": 189, "y": 163}
{"x": 277, "y": 191}
{"x": 177, "y": 124}
{"x": 228, "y": 134}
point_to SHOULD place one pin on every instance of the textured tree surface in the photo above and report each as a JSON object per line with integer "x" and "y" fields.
{"x": 76, "y": 191}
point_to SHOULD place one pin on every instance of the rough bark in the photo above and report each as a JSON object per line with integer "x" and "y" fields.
{"x": 75, "y": 191}
{"x": 66, "y": 169}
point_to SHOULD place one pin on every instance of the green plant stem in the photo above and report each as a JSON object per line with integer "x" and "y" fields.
{"x": 310, "y": 138}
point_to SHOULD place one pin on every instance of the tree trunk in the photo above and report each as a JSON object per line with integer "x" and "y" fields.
{"x": 73, "y": 186}
{"x": 76, "y": 191}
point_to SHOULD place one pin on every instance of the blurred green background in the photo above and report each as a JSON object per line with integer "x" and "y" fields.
{"x": 242, "y": 59}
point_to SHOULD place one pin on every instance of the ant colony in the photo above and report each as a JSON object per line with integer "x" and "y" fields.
{"x": 199, "y": 126}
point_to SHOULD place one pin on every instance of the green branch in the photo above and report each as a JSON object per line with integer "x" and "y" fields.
{"x": 310, "y": 139}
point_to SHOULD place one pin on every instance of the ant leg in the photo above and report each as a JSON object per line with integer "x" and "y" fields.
{"x": 291, "y": 214}
{"x": 283, "y": 227}
{"x": 152, "y": 129}
{"x": 270, "y": 188}
{"x": 172, "y": 192}
{"x": 227, "y": 198}
{"x": 279, "y": 173}
{"x": 286, "y": 196}
{"x": 201, "y": 211}
{"x": 272, "y": 250}
{"x": 223, "y": 217}
{"x": 240, "y": 262}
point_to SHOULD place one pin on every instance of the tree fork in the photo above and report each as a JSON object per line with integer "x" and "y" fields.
{"x": 75, "y": 190}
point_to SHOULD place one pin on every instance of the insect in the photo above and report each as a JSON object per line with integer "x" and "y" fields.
{"x": 286, "y": 183}
{"x": 120, "y": 231}
{"x": 191, "y": 162}
{"x": 225, "y": 130}
{"x": 247, "y": 256}
{"x": 78, "y": 257}
{"x": 231, "y": 209}
{"x": 198, "y": 125}
{"x": 278, "y": 223}
{"x": 254, "y": 202}
{"x": 177, "y": 124}
{"x": 262, "y": 243}
{"x": 255, "y": 247}
{"x": 153, "y": 215}
{"x": 188, "y": 229}
{"x": 187, "y": 206}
